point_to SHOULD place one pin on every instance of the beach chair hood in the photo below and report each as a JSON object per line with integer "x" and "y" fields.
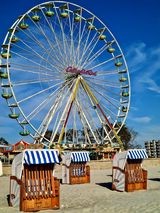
{"x": 75, "y": 157}
{"x": 33, "y": 156}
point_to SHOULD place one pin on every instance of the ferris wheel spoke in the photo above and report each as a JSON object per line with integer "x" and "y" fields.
{"x": 93, "y": 106}
{"x": 109, "y": 111}
{"x": 34, "y": 39}
{"x": 76, "y": 33}
{"x": 62, "y": 112}
{"x": 71, "y": 32}
{"x": 101, "y": 83}
{"x": 31, "y": 60}
{"x": 81, "y": 35}
{"x": 48, "y": 118}
{"x": 104, "y": 73}
{"x": 33, "y": 81}
{"x": 31, "y": 36}
{"x": 84, "y": 122}
{"x": 30, "y": 50}
{"x": 56, "y": 38}
{"x": 41, "y": 106}
{"x": 89, "y": 59}
{"x": 68, "y": 43}
{"x": 106, "y": 86}
{"x": 100, "y": 90}
{"x": 99, "y": 116}
{"x": 66, "y": 112}
{"x": 31, "y": 69}
{"x": 93, "y": 56}
{"x": 57, "y": 119}
{"x": 84, "y": 48}
{"x": 64, "y": 39}
{"x": 103, "y": 123}
{"x": 45, "y": 36}
{"x": 57, "y": 104}
{"x": 109, "y": 99}
{"x": 35, "y": 70}
{"x": 93, "y": 126}
{"x": 88, "y": 122}
{"x": 104, "y": 62}
{"x": 60, "y": 98}
{"x": 89, "y": 92}
{"x": 89, "y": 49}
{"x": 86, "y": 52}
{"x": 38, "y": 93}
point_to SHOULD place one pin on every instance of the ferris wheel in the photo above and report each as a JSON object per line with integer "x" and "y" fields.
{"x": 62, "y": 71}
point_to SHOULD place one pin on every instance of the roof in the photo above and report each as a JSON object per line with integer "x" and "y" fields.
{"x": 21, "y": 142}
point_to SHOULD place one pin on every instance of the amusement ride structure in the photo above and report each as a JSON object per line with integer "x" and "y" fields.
{"x": 62, "y": 71}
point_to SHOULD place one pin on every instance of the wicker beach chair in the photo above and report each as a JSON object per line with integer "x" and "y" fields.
{"x": 127, "y": 171}
{"x": 33, "y": 186}
{"x": 74, "y": 167}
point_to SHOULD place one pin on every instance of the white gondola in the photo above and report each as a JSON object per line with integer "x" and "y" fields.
{"x": 32, "y": 184}
{"x": 127, "y": 172}
{"x": 74, "y": 167}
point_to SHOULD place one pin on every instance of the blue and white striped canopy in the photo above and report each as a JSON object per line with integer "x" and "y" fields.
{"x": 137, "y": 154}
{"x": 80, "y": 157}
{"x": 40, "y": 156}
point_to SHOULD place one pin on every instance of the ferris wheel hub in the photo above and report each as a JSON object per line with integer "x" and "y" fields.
{"x": 74, "y": 70}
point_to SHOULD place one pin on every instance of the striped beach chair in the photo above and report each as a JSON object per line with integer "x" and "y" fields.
{"x": 74, "y": 167}
{"x": 127, "y": 171}
{"x": 33, "y": 186}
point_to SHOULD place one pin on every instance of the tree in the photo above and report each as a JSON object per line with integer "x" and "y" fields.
{"x": 128, "y": 138}
{"x": 48, "y": 135}
{"x": 3, "y": 141}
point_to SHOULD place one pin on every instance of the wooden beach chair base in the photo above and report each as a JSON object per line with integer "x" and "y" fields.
{"x": 135, "y": 176}
{"x": 39, "y": 189}
{"x": 79, "y": 173}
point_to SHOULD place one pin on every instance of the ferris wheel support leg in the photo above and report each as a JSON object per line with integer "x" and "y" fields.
{"x": 90, "y": 93}
{"x": 87, "y": 122}
{"x": 73, "y": 96}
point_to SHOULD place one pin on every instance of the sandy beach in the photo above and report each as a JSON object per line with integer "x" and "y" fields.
{"x": 97, "y": 197}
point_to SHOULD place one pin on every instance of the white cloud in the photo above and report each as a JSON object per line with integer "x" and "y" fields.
{"x": 143, "y": 120}
{"x": 152, "y": 85}
{"x": 133, "y": 108}
{"x": 144, "y": 65}
{"x": 136, "y": 56}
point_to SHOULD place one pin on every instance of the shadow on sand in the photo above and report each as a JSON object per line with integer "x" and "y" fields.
{"x": 106, "y": 185}
{"x": 154, "y": 179}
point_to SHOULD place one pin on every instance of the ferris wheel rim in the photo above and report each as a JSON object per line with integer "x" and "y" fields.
{"x": 14, "y": 26}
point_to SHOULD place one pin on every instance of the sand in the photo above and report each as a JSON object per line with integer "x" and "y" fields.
{"x": 97, "y": 197}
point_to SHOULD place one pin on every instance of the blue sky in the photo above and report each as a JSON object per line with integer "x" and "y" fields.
{"x": 136, "y": 26}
